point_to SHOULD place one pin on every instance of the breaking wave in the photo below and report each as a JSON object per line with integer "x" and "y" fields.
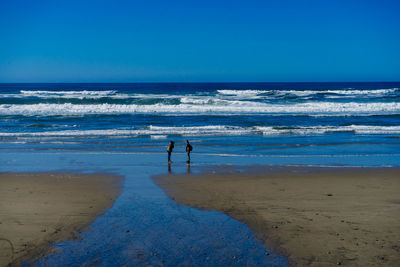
{"x": 219, "y": 94}
{"x": 211, "y": 130}
{"x": 225, "y": 107}
{"x": 68, "y": 94}
{"x": 302, "y": 93}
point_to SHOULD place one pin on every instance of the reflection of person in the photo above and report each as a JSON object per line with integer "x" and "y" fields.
{"x": 189, "y": 148}
{"x": 188, "y": 169}
{"x": 169, "y": 150}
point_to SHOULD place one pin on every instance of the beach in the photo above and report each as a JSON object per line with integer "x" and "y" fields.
{"x": 38, "y": 209}
{"x": 313, "y": 215}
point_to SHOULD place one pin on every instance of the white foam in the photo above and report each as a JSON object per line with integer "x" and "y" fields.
{"x": 70, "y": 94}
{"x": 243, "y": 92}
{"x": 201, "y": 130}
{"x": 200, "y": 100}
{"x": 154, "y": 131}
{"x": 85, "y": 94}
{"x": 302, "y": 93}
{"x": 359, "y": 129}
{"x": 158, "y": 136}
{"x": 228, "y": 107}
{"x": 203, "y": 97}
{"x": 158, "y": 132}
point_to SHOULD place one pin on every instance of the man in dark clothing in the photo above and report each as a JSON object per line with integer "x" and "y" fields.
{"x": 189, "y": 148}
{"x": 169, "y": 150}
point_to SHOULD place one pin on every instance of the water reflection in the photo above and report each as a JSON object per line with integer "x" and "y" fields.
{"x": 169, "y": 168}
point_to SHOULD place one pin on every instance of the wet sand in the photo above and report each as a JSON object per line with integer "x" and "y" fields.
{"x": 314, "y": 216}
{"x": 40, "y": 208}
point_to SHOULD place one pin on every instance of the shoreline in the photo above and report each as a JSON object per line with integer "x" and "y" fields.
{"x": 39, "y": 209}
{"x": 315, "y": 216}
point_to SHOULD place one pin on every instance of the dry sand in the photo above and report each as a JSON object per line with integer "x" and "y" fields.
{"x": 40, "y": 208}
{"x": 314, "y": 216}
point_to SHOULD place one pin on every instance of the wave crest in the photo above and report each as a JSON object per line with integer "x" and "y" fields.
{"x": 231, "y": 107}
{"x": 213, "y": 130}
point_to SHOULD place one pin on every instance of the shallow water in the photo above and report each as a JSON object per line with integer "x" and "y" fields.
{"x": 145, "y": 227}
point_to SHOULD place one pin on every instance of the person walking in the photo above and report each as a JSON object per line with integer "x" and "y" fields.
{"x": 189, "y": 148}
{"x": 169, "y": 150}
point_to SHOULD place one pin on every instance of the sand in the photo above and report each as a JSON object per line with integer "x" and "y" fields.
{"x": 39, "y": 208}
{"x": 314, "y": 216}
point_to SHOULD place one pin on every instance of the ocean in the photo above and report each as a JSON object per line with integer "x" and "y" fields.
{"x": 277, "y": 123}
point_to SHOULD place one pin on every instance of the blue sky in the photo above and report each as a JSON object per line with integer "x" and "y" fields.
{"x": 202, "y": 41}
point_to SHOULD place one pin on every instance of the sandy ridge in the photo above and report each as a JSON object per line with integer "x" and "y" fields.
{"x": 315, "y": 216}
{"x": 37, "y": 209}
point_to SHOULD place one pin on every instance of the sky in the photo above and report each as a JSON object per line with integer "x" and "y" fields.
{"x": 199, "y": 41}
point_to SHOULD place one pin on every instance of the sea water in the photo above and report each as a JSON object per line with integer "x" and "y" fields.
{"x": 125, "y": 128}
{"x": 278, "y": 123}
